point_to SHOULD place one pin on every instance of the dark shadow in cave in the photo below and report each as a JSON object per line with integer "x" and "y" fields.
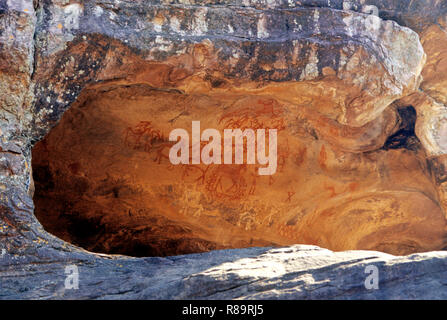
{"x": 405, "y": 136}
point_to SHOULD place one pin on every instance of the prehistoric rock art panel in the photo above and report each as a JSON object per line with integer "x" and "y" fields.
{"x": 106, "y": 176}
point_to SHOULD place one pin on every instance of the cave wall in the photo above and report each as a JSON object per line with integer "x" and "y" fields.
{"x": 104, "y": 180}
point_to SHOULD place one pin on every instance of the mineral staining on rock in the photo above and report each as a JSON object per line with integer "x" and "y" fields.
{"x": 91, "y": 89}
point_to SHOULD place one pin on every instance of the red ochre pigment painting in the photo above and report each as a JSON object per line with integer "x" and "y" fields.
{"x": 217, "y": 181}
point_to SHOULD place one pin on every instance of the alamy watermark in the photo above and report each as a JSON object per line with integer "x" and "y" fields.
{"x": 372, "y": 280}
{"x": 72, "y": 278}
{"x": 212, "y": 152}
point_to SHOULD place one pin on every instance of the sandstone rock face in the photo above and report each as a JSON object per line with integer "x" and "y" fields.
{"x": 90, "y": 91}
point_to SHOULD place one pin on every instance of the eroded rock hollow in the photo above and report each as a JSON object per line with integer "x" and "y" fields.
{"x": 104, "y": 179}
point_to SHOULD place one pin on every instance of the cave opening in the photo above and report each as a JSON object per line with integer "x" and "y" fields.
{"x": 405, "y": 136}
{"x": 104, "y": 182}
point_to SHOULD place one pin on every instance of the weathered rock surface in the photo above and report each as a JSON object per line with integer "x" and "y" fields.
{"x": 297, "y": 272}
{"x": 354, "y": 88}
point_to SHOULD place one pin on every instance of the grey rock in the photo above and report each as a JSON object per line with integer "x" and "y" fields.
{"x": 296, "y": 272}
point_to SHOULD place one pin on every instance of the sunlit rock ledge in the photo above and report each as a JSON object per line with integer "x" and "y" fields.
{"x": 295, "y": 272}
